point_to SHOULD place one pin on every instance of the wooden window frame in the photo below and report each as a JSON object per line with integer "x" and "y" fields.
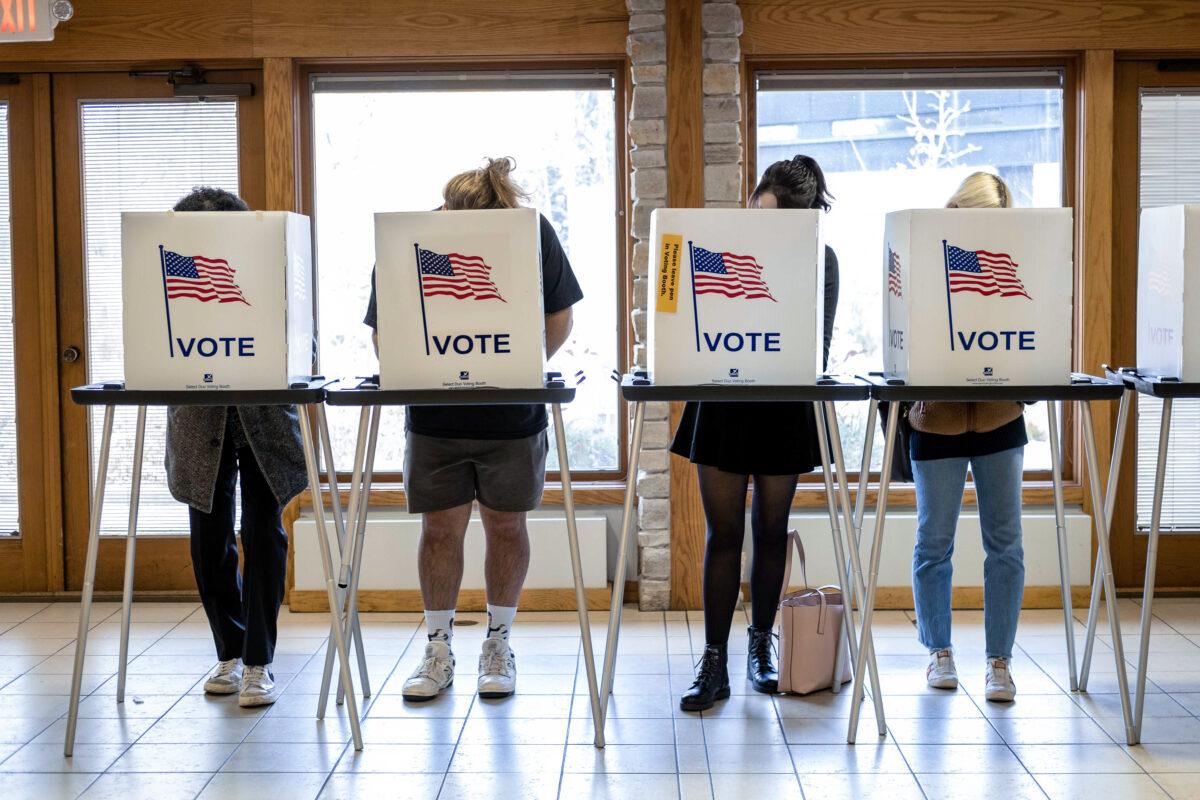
{"x": 594, "y": 487}
{"x": 1037, "y": 488}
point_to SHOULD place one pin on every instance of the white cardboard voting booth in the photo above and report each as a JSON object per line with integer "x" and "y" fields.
{"x": 216, "y": 299}
{"x": 459, "y": 296}
{"x": 738, "y": 296}
{"x": 1168, "y": 310}
{"x": 978, "y": 296}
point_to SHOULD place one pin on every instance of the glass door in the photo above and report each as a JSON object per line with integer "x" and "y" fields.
{"x": 1157, "y": 125}
{"x": 127, "y": 144}
{"x": 29, "y": 482}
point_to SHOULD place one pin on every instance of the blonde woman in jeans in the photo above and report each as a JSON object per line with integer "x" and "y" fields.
{"x": 994, "y": 449}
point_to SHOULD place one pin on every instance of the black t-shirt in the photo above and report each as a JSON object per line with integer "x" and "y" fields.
{"x": 560, "y": 290}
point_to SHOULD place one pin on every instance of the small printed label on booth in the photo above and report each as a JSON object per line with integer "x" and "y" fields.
{"x": 668, "y": 273}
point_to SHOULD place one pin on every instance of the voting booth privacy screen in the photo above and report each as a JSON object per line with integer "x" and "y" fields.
{"x": 978, "y": 296}
{"x": 738, "y": 296}
{"x": 216, "y": 299}
{"x": 1168, "y": 311}
{"x": 459, "y": 296}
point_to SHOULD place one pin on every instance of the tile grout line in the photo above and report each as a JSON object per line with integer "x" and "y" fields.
{"x": 163, "y": 715}
{"x": 366, "y": 708}
{"x": 579, "y": 661}
{"x": 712, "y": 788}
{"x": 88, "y": 695}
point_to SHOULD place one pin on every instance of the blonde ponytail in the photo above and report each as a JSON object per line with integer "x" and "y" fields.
{"x": 487, "y": 187}
{"x": 981, "y": 190}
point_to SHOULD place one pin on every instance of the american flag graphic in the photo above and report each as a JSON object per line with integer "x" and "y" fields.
{"x": 983, "y": 272}
{"x": 894, "y": 273}
{"x": 456, "y": 276}
{"x": 728, "y": 274}
{"x": 200, "y": 278}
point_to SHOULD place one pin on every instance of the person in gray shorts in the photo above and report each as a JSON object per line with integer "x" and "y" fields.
{"x": 496, "y": 455}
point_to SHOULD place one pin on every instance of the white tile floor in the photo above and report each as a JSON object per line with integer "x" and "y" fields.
{"x": 169, "y": 740}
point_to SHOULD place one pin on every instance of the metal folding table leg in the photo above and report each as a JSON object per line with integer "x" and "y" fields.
{"x": 585, "y": 625}
{"x": 1110, "y": 499}
{"x": 618, "y": 592}
{"x": 839, "y": 555}
{"x": 89, "y": 579}
{"x": 355, "y": 545}
{"x": 340, "y": 527}
{"x": 839, "y": 464}
{"x": 1160, "y": 475}
{"x": 1102, "y": 546}
{"x": 135, "y": 493}
{"x": 868, "y": 598}
{"x": 339, "y": 641}
{"x": 860, "y": 506}
{"x": 1060, "y": 527}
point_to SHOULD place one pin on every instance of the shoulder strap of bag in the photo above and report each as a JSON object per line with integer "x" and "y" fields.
{"x": 793, "y": 539}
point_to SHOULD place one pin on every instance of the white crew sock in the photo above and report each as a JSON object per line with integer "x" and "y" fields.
{"x": 440, "y": 625}
{"x": 500, "y": 621}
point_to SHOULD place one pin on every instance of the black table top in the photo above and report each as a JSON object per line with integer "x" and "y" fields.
{"x": 1154, "y": 385}
{"x": 366, "y": 392}
{"x": 1081, "y": 387}
{"x": 638, "y": 387}
{"x": 114, "y": 393}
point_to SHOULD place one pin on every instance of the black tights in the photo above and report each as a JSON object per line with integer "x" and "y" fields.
{"x": 724, "y": 497}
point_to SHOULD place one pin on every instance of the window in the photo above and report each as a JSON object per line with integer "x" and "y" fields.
{"x": 1169, "y": 174}
{"x": 9, "y": 507}
{"x": 140, "y": 156}
{"x": 390, "y": 143}
{"x": 888, "y": 141}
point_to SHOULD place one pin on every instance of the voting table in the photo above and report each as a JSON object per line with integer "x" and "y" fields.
{"x": 1082, "y": 390}
{"x": 366, "y": 394}
{"x": 638, "y": 389}
{"x": 306, "y": 396}
{"x": 1167, "y": 390}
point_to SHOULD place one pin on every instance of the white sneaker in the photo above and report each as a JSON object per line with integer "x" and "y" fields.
{"x": 258, "y": 687}
{"x": 941, "y": 674}
{"x": 432, "y": 675}
{"x": 225, "y": 679}
{"x": 497, "y": 670}
{"x": 999, "y": 687}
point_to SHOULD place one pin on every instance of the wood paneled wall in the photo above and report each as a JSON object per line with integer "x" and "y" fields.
{"x": 173, "y": 30}
{"x": 924, "y": 27}
{"x": 278, "y": 34}
{"x": 685, "y": 189}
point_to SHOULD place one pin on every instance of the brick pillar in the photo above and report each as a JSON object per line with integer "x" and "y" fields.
{"x": 721, "y": 22}
{"x": 647, "y": 48}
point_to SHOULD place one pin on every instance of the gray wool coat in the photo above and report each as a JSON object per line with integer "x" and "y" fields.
{"x": 196, "y": 434}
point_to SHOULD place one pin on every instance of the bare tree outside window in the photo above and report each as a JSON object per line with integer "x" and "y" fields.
{"x": 938, "y": 138}
{"x": 886, "y": 150}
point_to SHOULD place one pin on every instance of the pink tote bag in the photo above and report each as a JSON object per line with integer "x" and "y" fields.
{"x": 810, "y": 632}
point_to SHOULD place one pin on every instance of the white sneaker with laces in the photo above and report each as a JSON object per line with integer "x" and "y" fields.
{"x": 941, "y": 674}
{"x": 432, "y": 675}
{"x": 497, "y": 670}
{"x": 999, "y": 687}
{"x": 258, "y": 687}
{"x": 225, "y": 679}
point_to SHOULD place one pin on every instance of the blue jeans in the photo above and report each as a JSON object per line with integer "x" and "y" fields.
{"x": 940, "y": 483}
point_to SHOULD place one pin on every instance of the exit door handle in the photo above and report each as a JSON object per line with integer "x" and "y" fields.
{"x": 71, "y": 355}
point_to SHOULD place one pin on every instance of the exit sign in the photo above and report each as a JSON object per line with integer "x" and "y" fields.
{"x": 32, "y": 20}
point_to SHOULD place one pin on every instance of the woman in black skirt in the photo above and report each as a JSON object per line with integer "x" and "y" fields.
{"x": 773, "y": 443}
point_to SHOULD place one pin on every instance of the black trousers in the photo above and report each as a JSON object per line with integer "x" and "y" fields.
{"x": 242, "y": 607}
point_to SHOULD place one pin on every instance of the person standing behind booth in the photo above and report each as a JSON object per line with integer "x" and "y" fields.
{"x": 208, "y": 449}
{"x": 994, "y": 448}
{"x": 771, "y": 442}
{"x": 456, "y": 455}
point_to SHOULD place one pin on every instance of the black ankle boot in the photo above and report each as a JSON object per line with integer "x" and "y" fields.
{"x": 712, "y": 681}
{"x": 760, "y": 666}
